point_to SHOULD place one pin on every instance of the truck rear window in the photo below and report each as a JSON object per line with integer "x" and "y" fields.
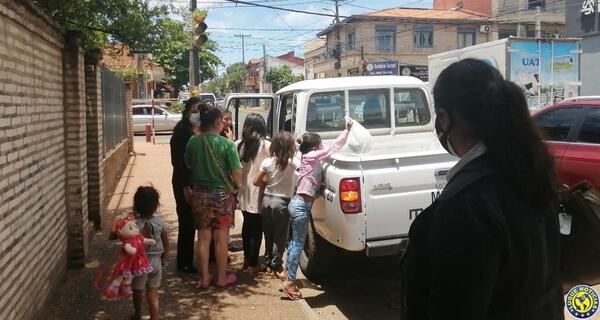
{"x": 325, "y": 112}
{"x": 370, "y": 107}
{"x": 410, "y": 108}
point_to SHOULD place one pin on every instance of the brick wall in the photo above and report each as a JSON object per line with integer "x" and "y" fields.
{"x": 33, "y": 217}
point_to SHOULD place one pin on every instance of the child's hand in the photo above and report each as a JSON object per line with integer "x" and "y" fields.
{"x": 230, "y": 134}
{"x": 349, "y": 123}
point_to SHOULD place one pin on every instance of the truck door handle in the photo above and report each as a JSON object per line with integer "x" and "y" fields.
{"x": 441, "y": 173}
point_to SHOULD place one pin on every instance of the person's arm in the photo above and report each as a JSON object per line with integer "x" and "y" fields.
{"x": 328, "y": 151}
{"x": 165, "y": 240}
{"x": 234, "y": 164}
{"x": 187, "y": 157}
{"x": 260, "y": 180}
{"x": 466, "y": 251}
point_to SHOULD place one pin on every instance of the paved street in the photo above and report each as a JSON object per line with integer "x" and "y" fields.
{"x": 362, "y": 292}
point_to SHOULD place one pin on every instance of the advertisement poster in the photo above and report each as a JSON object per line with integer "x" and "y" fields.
{"x": 546, "y": 78}
{"x": 384, "y": 68}
{"x": 420, "y": 72}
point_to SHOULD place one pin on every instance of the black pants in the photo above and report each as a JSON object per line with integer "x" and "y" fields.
{"x": 187, "y": 230}
{"x": 251, "y": 237}
{"x": 276, "y": 225}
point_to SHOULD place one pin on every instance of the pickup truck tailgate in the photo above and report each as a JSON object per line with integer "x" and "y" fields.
{"x": 401, "y": 176}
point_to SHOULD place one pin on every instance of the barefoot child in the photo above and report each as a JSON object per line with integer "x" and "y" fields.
{"x": 278, "y": 175}
{"x": 309, "y": 183}
{"x": 145, "y": 204}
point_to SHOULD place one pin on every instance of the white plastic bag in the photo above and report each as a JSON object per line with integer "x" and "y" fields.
{"x": 359, "y": 140}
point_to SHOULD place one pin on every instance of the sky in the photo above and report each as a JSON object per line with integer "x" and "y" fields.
{"x": 298, "y": 28}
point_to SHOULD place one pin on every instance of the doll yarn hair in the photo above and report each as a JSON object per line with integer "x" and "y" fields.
{"x": 121, "y": 222}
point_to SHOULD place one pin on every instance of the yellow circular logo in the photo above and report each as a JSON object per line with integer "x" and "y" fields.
{"x": 582, "y": 301}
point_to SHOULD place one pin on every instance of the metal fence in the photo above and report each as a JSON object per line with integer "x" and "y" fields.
{"x": 114, "y": 110}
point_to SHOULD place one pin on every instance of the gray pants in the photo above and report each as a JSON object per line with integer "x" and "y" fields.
{"x": 276, "y": 225}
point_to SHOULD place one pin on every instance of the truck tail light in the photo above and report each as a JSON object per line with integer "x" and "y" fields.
{"x": 350, "y": 199}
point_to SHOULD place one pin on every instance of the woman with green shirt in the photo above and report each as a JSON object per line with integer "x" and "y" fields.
{"x": 216, "y": 174}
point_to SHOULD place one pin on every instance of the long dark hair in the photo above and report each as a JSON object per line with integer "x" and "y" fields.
{"x": 189, "y": 103}
{"x": 495, "y": 111}
{"x": 254, "y": 132}
{"x": 282, "y": 148}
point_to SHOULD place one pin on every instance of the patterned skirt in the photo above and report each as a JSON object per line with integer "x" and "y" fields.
{"x": 213, "y": 208}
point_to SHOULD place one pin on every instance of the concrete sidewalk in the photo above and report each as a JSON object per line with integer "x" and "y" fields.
{"x": 250, "y": 298}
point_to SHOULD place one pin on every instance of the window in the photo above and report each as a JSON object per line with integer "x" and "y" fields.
{"x": 505, "y": 33}
{"x": 411, "y": 108}
{"x": 370, "y": 107}
{"x": 590, "y": 130}
{"x": 157, "y": 111}
{"x": 532, "y": 4}
{"x": 556, "y": 124}
{"x": 351, "y": 40}
{"x": 423, "y": 37}
{"x": 286, "y": 113}
{"x": 466, "y": 37}
{"x": 386, "y": 38}
{"x": 138, "y": 111}
{"x": 326, "y": 112}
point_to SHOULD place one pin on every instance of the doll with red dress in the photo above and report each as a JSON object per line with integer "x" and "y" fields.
{"x": 134, "y": 261}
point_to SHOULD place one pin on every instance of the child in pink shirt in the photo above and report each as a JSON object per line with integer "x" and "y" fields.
{"x": 309, "y": 183}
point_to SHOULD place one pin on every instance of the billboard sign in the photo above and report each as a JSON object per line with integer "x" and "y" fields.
{"x": 383, "y": 68}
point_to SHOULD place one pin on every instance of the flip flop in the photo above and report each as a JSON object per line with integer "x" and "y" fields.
{"x": 204, "y": 287}
{"x": 231, "y": 279}
{"x": 293, "y": 294}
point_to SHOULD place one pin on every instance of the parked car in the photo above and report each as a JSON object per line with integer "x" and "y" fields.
{"x": 164, "y": 120}
{"x": 208, "y": 98}
{"x": 403, "y": 173}
{"x": 572, "y": 132}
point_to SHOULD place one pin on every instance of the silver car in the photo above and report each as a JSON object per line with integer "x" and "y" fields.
{"x": 164, "y": 120}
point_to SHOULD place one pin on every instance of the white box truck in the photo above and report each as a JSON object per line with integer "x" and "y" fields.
{"x": 546, "y": 69}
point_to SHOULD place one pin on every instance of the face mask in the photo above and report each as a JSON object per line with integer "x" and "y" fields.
{"x": 444, "y": 137}
{"x": 195, "y": 119}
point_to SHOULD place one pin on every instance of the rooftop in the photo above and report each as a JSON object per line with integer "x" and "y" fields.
{"x": 353, "y": 82}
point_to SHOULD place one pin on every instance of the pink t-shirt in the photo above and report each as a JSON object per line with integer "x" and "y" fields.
{"x": 311, "y": 171}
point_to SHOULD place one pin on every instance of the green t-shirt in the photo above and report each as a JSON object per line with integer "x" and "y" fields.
{"x": 205, "y": 172}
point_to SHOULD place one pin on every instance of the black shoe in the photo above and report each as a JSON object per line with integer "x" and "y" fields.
{"x": 188, "y": 269}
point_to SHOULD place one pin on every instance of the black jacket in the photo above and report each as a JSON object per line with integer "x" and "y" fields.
{"x": 182, "y": 176}
{"x": 482, "y": 252}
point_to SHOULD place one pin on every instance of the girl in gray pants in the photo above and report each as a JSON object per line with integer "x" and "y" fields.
{"x": 277, "y": 174}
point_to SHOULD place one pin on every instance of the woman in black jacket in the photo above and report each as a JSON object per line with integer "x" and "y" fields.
{"x": 488, "y": 247}
{"x": 184, "y": 130}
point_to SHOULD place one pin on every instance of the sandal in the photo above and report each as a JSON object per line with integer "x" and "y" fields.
{"x": 202, "y": 286}
{"x": 231, "y": 279}
{"x": 292, "y": 293}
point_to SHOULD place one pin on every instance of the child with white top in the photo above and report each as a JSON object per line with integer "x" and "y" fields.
{"x": 278, "y": 175}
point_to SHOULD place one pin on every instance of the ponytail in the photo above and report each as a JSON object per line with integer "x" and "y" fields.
{"x": 495, "y": 112}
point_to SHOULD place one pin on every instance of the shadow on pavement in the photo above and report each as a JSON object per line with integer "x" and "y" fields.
{"x": 362, "y": 289}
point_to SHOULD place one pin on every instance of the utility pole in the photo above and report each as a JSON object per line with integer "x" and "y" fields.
{"x": 538, "y": 22}
{"x": 338, "y": 45}
{"x": 194, "y": 58}
{"x": 264, "y": 77}
{"x": 243, "y": 49}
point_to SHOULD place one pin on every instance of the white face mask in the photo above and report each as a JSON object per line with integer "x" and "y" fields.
{"x": 195, "y": 119}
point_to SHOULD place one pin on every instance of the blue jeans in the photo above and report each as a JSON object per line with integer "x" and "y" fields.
{"x": 299, "y": 209}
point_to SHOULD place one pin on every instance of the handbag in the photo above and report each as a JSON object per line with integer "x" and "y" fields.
{"x": 580, "y": 245}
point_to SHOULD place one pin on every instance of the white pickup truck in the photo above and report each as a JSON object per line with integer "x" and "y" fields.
{"x": 403, "y": 173}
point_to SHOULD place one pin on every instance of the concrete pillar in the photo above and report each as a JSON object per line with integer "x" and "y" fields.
{"x": 78, "y": 225}
{"x": 129, "y": 105}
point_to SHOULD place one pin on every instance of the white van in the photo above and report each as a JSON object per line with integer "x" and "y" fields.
{"x": 403, "y": 173}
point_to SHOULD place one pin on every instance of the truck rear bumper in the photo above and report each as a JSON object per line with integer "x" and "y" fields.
{"x": 387, "y": 247}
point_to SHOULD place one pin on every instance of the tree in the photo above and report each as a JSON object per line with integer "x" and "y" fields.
{"x": 133, "y": 22}
{"x": 173, "y": 54}
{"x": 235, "y": 75}
{"x": 281, "y": 77}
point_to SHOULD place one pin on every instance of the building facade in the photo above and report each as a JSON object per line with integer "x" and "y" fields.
{"x": 255, "y": 70}
{"x": 398, "y": 41}
{"x": 583, "y": 21}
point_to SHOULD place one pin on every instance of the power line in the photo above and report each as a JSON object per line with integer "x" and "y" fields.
{"x": 285, "y": 9}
